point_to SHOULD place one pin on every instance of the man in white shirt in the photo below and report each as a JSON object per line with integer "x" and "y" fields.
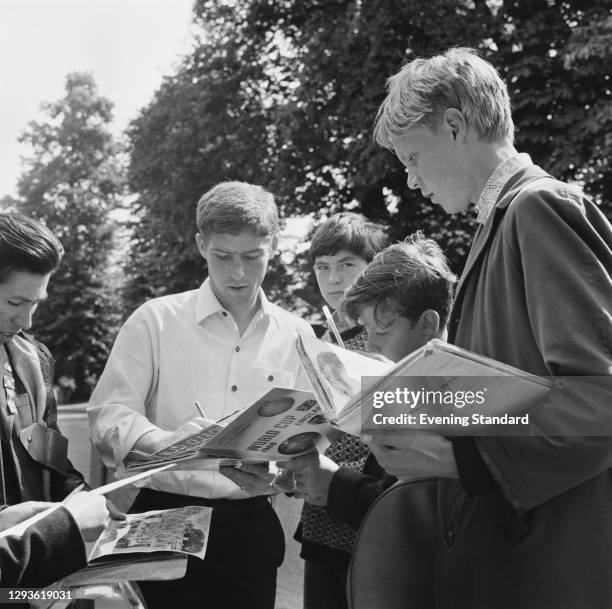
{"x": 223, "y": 345}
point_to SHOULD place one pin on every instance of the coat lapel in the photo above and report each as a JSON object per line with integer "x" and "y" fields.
{"x": 26, "y": 366}
{"x": 486, "y": 231}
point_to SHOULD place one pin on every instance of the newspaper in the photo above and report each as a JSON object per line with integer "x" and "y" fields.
{"x": 182, "y": 530}
{"x": 283, "y": 423}
{"x": 345, "y": 383}
{"x": 151, "y": 545}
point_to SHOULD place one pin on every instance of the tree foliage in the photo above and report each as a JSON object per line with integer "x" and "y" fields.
{"x": 72, "y": 179}
{"x": 285, "y": 93}
{"x": 557, "y": 60}
{"x": 282, "y": 94}
{"x": 207, "y": 123}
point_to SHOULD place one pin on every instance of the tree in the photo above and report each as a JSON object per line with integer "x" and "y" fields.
{"x": 339, "y": 54}
{"x": 282, "y": 94}
{"x": 556, "y": 58}
{"x": 206, "y": 124}
{"x": 8, "y": 203}
{"x": 285, "y": 93}
{"x": 72, "y": 180}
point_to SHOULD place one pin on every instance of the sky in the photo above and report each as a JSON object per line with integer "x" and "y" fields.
{"x": 128, "y": 45}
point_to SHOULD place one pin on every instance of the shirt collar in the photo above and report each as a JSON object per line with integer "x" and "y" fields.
{"x": 498, "y": 179}
{"x": 207, "y": 304}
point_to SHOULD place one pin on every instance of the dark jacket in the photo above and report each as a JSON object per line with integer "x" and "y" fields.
{"x": 35, "y": 403}
{"x": 48, "y": 550}
{"x": 536, "y": 293}
{"x": 53, "y": 548}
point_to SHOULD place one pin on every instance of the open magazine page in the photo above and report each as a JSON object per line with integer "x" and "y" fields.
{"x": 336, "y": 373}
{"x": 182, "y": 530}
{"x": 281, "y": 424}
{"x": 436, "y": 381}
{"x": 440, "y": 358}
{"x": 444, "y": 388}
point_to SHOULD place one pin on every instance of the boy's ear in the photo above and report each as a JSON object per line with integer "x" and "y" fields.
{"x": 429, "y": 323}
{"x": 274, "y": 245}
{"x": 455, "y": 124}
{"x": 201, "y": 245}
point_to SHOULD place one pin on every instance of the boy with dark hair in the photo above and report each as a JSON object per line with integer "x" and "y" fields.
{"x": 348, "y": 231}
{"x": 34, "y": 465}
{"x": 403, "y": 298}
{"x": 340, "y": 249}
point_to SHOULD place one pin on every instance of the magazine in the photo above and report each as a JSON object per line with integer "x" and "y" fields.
{"x": 352, "y": 388}
{"x": 281, "y": 424}
{"x": 151, "y": 545}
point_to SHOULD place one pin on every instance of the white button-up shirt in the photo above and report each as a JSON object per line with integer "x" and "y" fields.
{"x": 185, "y": 347}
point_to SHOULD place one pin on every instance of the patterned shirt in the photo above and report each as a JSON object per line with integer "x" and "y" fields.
{"x": 495, "y": 183}
{"x": 347, "y": 451}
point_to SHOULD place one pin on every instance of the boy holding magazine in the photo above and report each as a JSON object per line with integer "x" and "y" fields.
{"x": 340, "y": 249}
{"x": 402, "y": 300}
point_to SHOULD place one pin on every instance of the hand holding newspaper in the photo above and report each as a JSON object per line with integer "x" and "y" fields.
{"x": 281, "y": 424}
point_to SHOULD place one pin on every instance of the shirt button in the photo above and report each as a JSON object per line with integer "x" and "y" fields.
{"x": 449, "y": 538}
{"x": 270, "y": 378}
{"x": 237, "y": 348}
{"x": 234, "y": 388}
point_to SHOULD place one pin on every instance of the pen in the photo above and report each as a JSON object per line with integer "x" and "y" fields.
{"x": 200, "y": 409}
{"x": 332, "y": 326}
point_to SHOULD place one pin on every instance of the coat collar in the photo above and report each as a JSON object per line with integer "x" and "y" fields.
{"x": 496, "y": 182}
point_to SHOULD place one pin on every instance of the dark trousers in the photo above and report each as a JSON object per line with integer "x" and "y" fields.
{"x": 324, "y": 585}
{"x": 246, "y": 545}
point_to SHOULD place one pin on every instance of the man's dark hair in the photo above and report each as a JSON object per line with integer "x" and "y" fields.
{"x": 27, "y": 245}
{"x": 351, "y": 232}
{"x": 405, "y": 279}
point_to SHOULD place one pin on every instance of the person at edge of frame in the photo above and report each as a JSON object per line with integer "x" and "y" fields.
{"x": 35, "y": 472}
{"x": 524, "y": 520}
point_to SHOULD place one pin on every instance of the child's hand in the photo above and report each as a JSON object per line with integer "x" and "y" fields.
{"x": 253, "y": 478}
{"x": 313, "y": 474}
